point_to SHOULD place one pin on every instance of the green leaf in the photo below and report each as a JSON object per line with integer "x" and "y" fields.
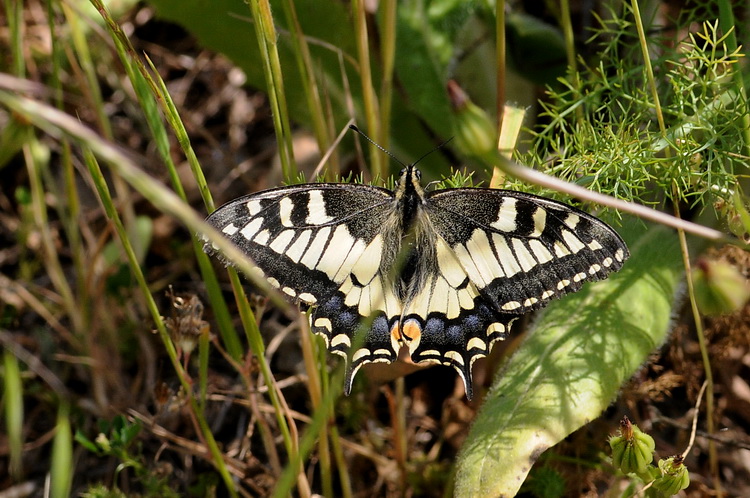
{"x": 572, "y": 365}
{"x": 420, "y": 68}
{"x": 225, "y": 26}
{"x": 81, "y": 439}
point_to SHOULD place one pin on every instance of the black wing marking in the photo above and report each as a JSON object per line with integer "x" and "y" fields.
{"x": 521, "y": 250}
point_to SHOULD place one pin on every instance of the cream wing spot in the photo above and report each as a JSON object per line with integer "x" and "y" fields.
{"x": 230, "y": 229}
{"x": 281, "y": 242}
{"x": 430, "y": 352}
{"x": 347, "y": 286}
{"x": 340, "y": 244}
{"x": 505, "y": 255}
{"x": 594, "y": 245}
{"x": 315, "y": 250}
{"x": 506, "y": 216}
{"x": 377, "y": 296}
{"x": 340, "y": 339}
{"x": 524, "y": 257}
{"x": 573, "y": 242}
{"x": 253, "y": 207}
{"x": 468, "y": 264}
{"x": 453, "y": 307}
{"x": 541, "y": 253}
{"x": 351, "y": 259}
{"x": 262, "y": 237}
{"x": 420, "y": 306}
{"x": 496, "y": 328}
{"x": 466, "y": 298}
{"x": 316, "y": 209}
{"x": 286, "y": 205}
{"x": 353, "y": 297}
{"x": 571, "y": 221}
{"x": 476, "y": 343}
{"x": 540, "y": 221}
{"x": 365, "y": 301}
{"x": 440, "y": 299}
{"x": 455, "y": 357}
{"x": 560, "y": 249}
{"x": 308, "y": 298}
{"x": 510, "y": 306}
{"x": 297, "y": 249}
{"x": 483, "y": 256}
{"x": 449, "y": 267}
{"x": 369, "y": 262}
{"x": 249, "y": 230}
{"x": 360, "y": 354}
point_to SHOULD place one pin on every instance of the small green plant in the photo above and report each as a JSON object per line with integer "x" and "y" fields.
{"x": 633, "y": 454}
{"x": 119, "y": 439}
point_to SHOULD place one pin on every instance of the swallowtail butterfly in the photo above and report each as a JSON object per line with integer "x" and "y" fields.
{"x": 442, "y": 273}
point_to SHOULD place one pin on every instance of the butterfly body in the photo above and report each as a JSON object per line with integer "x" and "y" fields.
{"x": 441, "y": 273}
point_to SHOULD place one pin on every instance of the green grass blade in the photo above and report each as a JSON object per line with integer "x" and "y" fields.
{"x": 13, "y": 401}
{"x": 62, "y": 468}
{"x": 265, "y": 31}
{"x": 571, "y": 366}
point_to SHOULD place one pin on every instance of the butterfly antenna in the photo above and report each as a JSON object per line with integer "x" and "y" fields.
{"x": 354, "y": 128}
{"x": 438, "y": 146}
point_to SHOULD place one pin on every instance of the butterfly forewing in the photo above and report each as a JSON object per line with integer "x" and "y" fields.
{"x": 521, "y": 250}
{"x": 306, "y": 239}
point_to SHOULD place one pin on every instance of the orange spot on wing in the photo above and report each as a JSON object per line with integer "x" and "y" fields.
{"x": 411, "y": 331}
{"x": 396, "y": 333}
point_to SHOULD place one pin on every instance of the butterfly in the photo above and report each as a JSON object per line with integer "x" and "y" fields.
{"x": 442, "y": 273}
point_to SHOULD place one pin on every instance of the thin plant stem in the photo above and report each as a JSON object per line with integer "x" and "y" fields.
{"x": 266, "y": 35}
{"x": 570, "y": 50}
{"x": 727, "y": 23}
{"x": 538, "y": 178}
{"x": 698, "y": 321}
{"x": 388, "y": 58}
{"x": 369, "y": 100}
{"x": 314, "y": 387}
{"x": 500, "y": 58}
{"x": 310, "y": 84}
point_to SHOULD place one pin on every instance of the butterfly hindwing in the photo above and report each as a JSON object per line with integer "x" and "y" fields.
{"x": 449, "y": 321}
{"x": 520, "y": 250}
{"x": 360, "y": 335}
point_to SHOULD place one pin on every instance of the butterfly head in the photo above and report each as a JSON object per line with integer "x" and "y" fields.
{"x": 409, "y": 188}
